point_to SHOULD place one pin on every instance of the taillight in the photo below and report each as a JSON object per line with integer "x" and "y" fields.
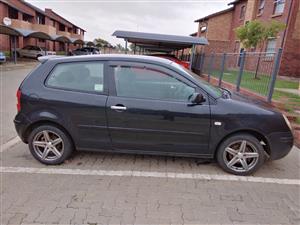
{"x": 19, "y": 93}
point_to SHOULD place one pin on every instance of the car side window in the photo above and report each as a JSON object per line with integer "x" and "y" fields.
{"x": 81, "y": 76}
{"x": 149, "y": 83}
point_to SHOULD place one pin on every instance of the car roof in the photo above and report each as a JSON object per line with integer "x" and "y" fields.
{"x": 114, "y": 57}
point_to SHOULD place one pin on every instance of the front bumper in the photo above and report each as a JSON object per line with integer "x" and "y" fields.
{"x": 281, "y": 143}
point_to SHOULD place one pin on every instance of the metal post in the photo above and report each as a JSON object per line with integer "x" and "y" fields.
{"x": 192, "y": 57}
{"x": 211, "y": 63}
{"x": 274, "y": 74}
{"x": 222, "y": 69}
{"x": 15, "y": 49}
{"x": 126, "y": 46}
{"x": 242, "y": 63}
{"x": 134, "y": 48}
{"x": 45, "y": 47}
{"x": 202, "y": 59}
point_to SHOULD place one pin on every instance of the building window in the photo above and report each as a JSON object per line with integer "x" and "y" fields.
{"x": 261, "y": 7}
{"x": 203, "y": 29}
{"x": 278, "y": 6}
{"x": 236, "y": 46}
{"x": 271, "y": 47}
{"x": 40, "y": 19}
{"x": 243, "y": 12}
{"x": 27, "y": 17}
{"x": 52, "y": 23}
{"x": 12, "y": 13}
{"x": 41, "y": 40}
{"x": 62, "y": 27}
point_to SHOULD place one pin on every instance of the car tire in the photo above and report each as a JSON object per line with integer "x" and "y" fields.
{"x": 240, "y": 154}
{"x": 50, "y": 145}
{"x": 37, "y": 57}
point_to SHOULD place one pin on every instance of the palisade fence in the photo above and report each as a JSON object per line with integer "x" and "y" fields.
{"x": 251, "y": 71}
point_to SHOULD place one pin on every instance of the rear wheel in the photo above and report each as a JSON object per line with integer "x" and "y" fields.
{"x": 241, "y": 154}
{"x": 50, "y": 145}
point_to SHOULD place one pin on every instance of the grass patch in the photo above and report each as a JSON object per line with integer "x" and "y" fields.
{"x": 259, "y": 85}
{"x": 297, "y": 120}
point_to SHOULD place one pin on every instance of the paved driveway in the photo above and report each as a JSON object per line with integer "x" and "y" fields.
{"x": 102, "y": 188}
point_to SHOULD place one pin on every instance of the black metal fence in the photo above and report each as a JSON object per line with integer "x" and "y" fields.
{"x": 253, "y": 71}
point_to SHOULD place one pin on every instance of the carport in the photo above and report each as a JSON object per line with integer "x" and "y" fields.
{"x": 16, "y": 32}
{"x": 62, "y": 38}
{"x": 160, "y": 42}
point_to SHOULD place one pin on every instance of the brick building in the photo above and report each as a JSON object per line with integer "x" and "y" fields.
{"x": 48, "y": 29}
{"x": 219, "y": 29}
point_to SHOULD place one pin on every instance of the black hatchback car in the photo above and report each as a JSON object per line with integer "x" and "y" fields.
{"x": 145, "y": 105}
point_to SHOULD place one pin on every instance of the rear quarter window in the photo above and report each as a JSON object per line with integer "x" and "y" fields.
{"x": 77, "y": 76}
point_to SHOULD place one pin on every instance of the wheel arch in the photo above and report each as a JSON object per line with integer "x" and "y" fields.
{"x": 38, "y": 123}
{"x": 254, "y": 133}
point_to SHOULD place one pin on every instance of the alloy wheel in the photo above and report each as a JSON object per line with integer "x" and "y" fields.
{"x": 48, "y": 145}
{"x": 240, "y": 156}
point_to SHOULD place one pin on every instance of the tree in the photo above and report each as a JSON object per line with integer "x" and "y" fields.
{"x": 119, "y": 48}
{"x": 131, "y": 47}
{"x": 255, "y": 33}
{"x": 99, "y": 42}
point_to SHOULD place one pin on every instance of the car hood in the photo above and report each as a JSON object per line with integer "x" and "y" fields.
{"x": 237, "y": 106}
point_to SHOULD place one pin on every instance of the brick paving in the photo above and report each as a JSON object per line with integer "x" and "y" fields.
{"x": 65, "y": 199}
{"x": 80, "y": 199}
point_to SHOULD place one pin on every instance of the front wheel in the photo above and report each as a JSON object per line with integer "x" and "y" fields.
{"x": 240, "y": 154}
{"x": 50, "y": 145}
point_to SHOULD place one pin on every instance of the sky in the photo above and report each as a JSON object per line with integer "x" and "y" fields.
{"x": 102, "y": 18}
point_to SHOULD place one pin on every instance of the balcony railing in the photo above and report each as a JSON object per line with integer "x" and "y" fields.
{"x": 77, "y": 36}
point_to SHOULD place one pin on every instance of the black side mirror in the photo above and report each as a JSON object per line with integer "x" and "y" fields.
{"x": 196, "y": 99}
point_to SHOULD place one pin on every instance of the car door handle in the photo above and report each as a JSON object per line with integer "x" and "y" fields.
{"x": 118, "y": 107}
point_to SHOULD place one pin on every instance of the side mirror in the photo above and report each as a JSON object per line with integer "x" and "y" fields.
{"x": 196, "y": 99}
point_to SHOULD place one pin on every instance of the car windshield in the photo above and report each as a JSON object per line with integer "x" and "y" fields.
{"x": 217, "y": 91}
{"x": 43, "y": 48}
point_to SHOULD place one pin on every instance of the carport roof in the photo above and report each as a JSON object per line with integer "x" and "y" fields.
{"x": 77, "y": 41}
{"x": 23, "y": 32}
{"x": 163, "y": 42}
{"x": 61, "y": 38}
{"x": 37, "y": 34}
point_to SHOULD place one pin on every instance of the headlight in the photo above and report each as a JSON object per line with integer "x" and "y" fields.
{"x": 287, "y": 121}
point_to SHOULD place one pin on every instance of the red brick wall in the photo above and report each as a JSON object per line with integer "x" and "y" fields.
{"x": 236, "y": 22}
{"x": 217, "y": 47}
{"x": 4, "y": 39}
{"x": 23, "y": 7}
{"x": 290, "y": 64}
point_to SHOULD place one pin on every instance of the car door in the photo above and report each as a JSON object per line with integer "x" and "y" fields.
{"x": 25, "y": 51}
{"x": 78, "y": 91}
{"x": 31, "y": 52}
{"x": 148, "y": 110}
